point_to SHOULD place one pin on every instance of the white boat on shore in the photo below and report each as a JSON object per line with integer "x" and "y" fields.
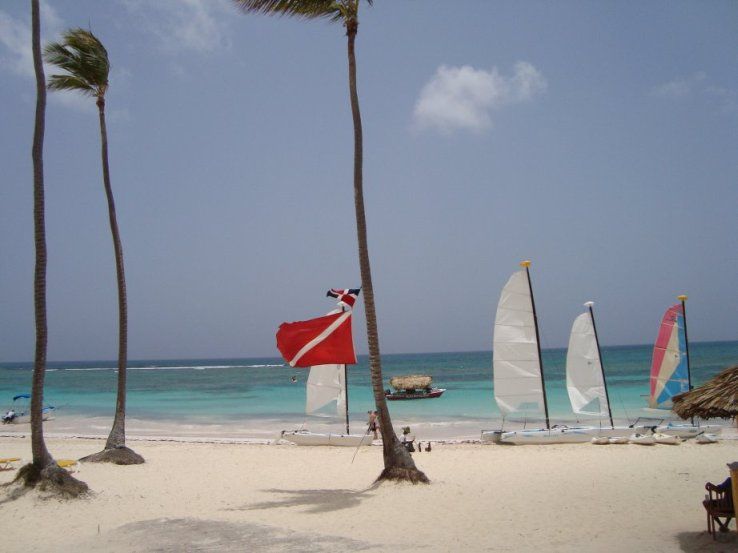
{"x": 519, "y": 384}
{"x": 671, "y": 372}
{"x": 304, "y": 437}
{"x": 518, "y": 371}
{"x": 327, "y": 384}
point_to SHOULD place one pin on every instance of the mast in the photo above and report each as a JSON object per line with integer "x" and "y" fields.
{"x": 345, "y": 385}
{"x": 589, "y": 305}
{"x": 345, "y": 395}
{"x": 683, "y": 298}
{"x": 526, "y": 264}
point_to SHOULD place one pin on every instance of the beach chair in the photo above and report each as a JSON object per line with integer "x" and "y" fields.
{"x": 719, "y": 506}
{"x": 69, "y": 464}
{"x": 7, "y": 463}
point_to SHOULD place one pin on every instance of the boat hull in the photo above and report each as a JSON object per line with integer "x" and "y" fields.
{"x": 564, "y": 435}
{"x": 335, "y": 440}
{"x": 572, "y": 435}
{"x": 686, "y": 431}
{"x": 398, "y": 396}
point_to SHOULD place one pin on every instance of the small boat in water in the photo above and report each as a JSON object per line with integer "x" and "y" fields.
{"x": 413, "y": 386}
{"x": 20, "y": 411}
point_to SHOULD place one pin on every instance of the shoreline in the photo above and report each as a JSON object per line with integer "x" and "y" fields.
{"x": 267, "y": 431}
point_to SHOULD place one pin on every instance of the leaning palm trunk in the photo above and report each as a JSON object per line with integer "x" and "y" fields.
{"x": 85, "y": 61}
{"x": 115, "y": 448}
{"x": 117, "y": 437}
{"x": 398, "y": 464}
{"x": 43, "y": 470}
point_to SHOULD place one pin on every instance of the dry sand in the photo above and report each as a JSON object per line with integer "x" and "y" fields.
{"x": 239, "y": 497}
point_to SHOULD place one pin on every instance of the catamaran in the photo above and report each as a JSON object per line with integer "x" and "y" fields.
{"x": 521, "y": 370}
{"x": 325, "y": 344}
{"x": 518, "y": 369}
{"x": 671, "y": 372}
{"x": 327, "y": 384}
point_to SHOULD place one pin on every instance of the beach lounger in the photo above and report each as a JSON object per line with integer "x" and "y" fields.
{"x": 7, "y": 463}
{"x": 70, "y": 464}
{"x": 719, "y": 506}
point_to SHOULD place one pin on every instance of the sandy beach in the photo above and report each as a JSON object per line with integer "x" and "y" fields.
{"x": 249, "y": 497}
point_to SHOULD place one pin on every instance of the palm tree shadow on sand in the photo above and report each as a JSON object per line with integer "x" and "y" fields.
{"x": 317, "y": 501}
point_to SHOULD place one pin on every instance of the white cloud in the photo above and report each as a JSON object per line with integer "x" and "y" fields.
{"x": 16, "y": 55}
{"x": 679, "y": 88}
{"x": 15, "y": 36}
{"x": 464, "y": 97}
{"x": 698, "y": 85}
{"x": 194, "y": 25}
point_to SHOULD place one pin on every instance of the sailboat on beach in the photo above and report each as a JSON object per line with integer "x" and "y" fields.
{"x": 519, "y": 386}
{"x": 518, "y": 369}
{"x": 325, "y": 345}
{"x": 671, "y": 372}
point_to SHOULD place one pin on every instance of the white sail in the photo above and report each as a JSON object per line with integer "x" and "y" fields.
{"x": 584, "y": 377}
{"x": 326, "y": 383}
{"x": 517, "y": 366}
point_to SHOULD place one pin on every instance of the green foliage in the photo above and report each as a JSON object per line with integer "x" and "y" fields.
{"x": 335, "y": 10}
{"x": 84, "y": 59}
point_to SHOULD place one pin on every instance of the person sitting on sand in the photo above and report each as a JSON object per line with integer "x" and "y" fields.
{"x": 9, "y": 416}
{"x": 724, "y": 504}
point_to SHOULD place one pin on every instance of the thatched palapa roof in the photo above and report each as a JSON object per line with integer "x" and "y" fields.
{"x": 716, "y": 399}
{"x": 411, "y": 381}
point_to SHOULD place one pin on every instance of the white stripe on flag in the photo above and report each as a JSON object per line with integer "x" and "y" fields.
{"x": 320, "y": 337}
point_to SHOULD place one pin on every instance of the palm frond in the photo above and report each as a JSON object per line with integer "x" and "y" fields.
{"x": 335, "y": 10}
{"x": 84, "y": 59}
{"x": 70, "y": 82}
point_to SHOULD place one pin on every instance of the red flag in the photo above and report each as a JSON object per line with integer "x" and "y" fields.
{"x": 320, "y": 341}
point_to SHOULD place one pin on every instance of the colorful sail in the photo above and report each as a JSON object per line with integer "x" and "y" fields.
{"x": 585, "y": 380}
{"x": 669, "y": 368}
{"x": 517, "y": 366}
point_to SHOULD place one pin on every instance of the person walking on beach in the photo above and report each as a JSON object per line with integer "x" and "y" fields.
{"x": 373, "y": 422}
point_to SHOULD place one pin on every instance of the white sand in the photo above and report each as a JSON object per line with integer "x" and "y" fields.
{"x": 236, "y": 497}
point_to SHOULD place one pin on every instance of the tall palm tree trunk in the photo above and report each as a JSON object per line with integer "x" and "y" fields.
{"x": 42, "y": 468}
{"x": 41, "y": 455}
{"x": 117, "y": 437}
{"x": 398, "y": 464}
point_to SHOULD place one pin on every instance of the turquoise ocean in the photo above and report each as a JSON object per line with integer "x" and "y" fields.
{"x": 259, "y": 392}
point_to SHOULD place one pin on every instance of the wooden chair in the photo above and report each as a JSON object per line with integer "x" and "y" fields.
{"x": 719, "y": 506}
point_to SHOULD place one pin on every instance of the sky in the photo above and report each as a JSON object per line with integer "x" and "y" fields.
{"x": 597, "y": 139}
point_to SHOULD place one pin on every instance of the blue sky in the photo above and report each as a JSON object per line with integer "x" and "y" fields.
{"x": 598, "y": 139}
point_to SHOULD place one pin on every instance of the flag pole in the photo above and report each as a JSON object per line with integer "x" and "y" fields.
{"x": 345, "y": 393}
{"x": 345, "y": 387}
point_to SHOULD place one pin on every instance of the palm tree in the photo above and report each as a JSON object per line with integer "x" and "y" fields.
{"x": 43, "y": 470}
{"x": 84, "y": 59}
{"x": 398, "y": 465}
